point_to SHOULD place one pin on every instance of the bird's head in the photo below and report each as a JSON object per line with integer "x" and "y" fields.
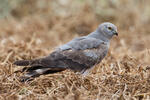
{"x": 108, "y": 29}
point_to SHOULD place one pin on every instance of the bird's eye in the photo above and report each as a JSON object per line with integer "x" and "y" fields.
{"x": 109, "y": 28}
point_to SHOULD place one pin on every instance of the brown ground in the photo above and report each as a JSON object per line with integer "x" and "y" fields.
{"x": 33, "y": 32}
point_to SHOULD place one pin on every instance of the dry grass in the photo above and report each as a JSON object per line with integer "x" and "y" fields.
{"x": 124, "y": 74}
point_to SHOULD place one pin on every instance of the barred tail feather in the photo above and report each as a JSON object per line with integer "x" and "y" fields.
{"x": 38, "y": 67}
{"x": 22, "y": 62}
{"x": 31, "y": 74}
{"x": 34, "y": 62}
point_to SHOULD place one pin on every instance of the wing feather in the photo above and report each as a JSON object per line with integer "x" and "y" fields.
{"x": 88, "y": 57}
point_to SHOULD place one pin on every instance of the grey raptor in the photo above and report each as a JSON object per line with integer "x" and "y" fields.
{"x": 79, "y": 55}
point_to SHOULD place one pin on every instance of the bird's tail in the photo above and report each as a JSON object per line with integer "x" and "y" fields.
{"x": 29, "y": 62}
{"x": 31, "y": 74}
{"x": 22, "y": 62}
{"x": 37, "y": 67}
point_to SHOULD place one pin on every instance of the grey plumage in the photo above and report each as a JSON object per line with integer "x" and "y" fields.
{"x": 79, "y": 55}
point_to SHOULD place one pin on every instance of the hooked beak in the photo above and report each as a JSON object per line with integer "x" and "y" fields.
{"x": 115, "y": 33}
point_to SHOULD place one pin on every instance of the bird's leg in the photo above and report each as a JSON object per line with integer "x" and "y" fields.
{"x": 86, "y": 71}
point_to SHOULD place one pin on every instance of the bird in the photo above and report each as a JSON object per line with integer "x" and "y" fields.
{"x": 80, "y": 55}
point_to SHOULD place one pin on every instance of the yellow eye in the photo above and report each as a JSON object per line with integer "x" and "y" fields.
{"x": 109, "y": 28}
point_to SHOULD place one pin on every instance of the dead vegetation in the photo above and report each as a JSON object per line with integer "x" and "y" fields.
{"x": 124, "y": 74}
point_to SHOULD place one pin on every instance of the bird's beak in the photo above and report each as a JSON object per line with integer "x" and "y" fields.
{"x": 116, "y": 33}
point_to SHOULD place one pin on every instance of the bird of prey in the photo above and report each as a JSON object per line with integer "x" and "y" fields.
{"x": 80, "y": 54}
